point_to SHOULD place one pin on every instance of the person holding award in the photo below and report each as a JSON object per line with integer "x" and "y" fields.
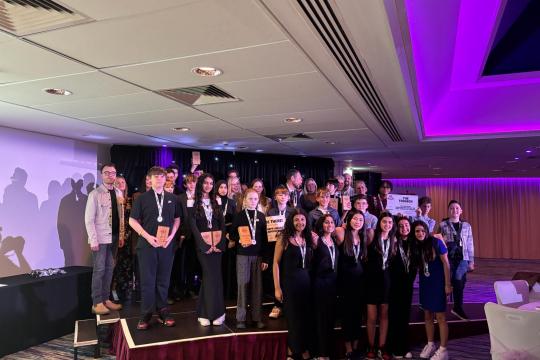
{"x": 155, "y": 217}
{"x": 208, "y": 230}
{"x": 249, "y": 231}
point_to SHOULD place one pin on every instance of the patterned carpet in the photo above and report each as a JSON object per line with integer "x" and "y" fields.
{"x": 479, "y": 289}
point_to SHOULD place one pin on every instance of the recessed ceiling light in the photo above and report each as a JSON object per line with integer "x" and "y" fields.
{"x": 164, "y": 145}
{"x": 181, "y": 129}
{"x": 55, "y": 91}
{"x": 96, "y": 137}
{"x": 516, "y": 158}
{"x": 206, "y": 71}
{"x": 259, "y": 150}
{"x": 293, "y": 120}
{"x": 528, "y": 151}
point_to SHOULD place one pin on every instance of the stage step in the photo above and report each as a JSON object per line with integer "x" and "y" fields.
{"x": 85, "y": 335}
{"x": 110, "y": 318}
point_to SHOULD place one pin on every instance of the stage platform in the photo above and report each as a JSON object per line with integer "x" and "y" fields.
{"x": 189, "y": 340}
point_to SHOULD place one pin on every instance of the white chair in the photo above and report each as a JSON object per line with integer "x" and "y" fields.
{"x": 512, "y": 293}
{"x": 514, "y": 333}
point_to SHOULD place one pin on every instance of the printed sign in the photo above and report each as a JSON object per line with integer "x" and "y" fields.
{"x": 274, "y": 225}
{"x": 402, "y": 204}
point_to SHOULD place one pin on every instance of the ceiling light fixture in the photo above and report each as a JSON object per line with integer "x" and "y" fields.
{"x": 259, "y": 150}
{"x": 55, "y": 91}
{"x": 516, "y": 158}
{"x": 292, "y": 120}
{"x": 528, "y": 151}
{"x": 206, "y": 71}
{"x": 181, "y": 129}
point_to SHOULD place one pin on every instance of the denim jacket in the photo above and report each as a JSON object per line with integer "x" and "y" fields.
{"x": 98, "y": 215}
{"x": 448, "y": 231}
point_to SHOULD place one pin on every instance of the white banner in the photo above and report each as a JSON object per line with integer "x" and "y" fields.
{"x": 402, "y": 204}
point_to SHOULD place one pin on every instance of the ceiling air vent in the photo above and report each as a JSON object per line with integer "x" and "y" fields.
{"x": 324, "y": 20}
{"x": 289, "y": 137}
{"x": 25, "y": 17}
{"x": 199, "y": 95}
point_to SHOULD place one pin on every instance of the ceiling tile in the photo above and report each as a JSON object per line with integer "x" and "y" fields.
{"x": 84, "y": 86}
{"x": 177, "y": 116}
{"x": 113, "y": 105}
{"x": 256, "y": 62}
{"x": 317, "y": 120}
{"x": 284, "y": 94}
{"x": 196, "y": 28}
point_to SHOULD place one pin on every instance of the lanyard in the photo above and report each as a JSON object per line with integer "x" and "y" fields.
{"x": 385, "y": 245}
{"x": 208, "y": 211}
{"x": 295, "y": 199}
{"x": 380, "y": 202}
{"x": 455, "y": 234}
{"x": 426, "y": 269}
{"x": 252, "y": 226}
{"x": 282, "y": 213}
{"x": 159, "y": 205}
{"x": 332, "y": 251}
{"x": 324, "y": 211}
{"x": 356, "y": 250}
{"x": 226, "y": 205}
{"x": 405, "y": 257}
{"x": 303, "y": 253}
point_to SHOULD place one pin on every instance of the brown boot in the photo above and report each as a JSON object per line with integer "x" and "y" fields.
{"x": 112, "y": 306}
{"x": 100, "y": 309}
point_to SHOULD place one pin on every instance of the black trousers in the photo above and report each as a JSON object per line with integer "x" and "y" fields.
{"x": 155, "y": 266}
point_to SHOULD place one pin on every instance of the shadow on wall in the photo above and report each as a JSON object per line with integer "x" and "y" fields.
{"x": 52, "y": 235}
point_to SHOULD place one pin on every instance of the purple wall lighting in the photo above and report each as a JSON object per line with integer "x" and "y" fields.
{"x": 450, "y": 42}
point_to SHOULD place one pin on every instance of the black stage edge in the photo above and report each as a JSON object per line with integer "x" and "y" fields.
{"x": 137, "y": 344}
{"x": 36, "y": 310}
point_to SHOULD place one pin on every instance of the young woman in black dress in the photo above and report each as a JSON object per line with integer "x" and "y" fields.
{"x": 402, "y": 275}
{"x": 292, "y": 260}
{"x": 324, "y": 268}
{"x": 208, "y": 221}
{"x": 380, "y": 251}
{"x": 352, "y": 239}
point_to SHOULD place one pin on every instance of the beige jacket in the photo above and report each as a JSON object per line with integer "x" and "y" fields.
{"x": 98, "y": 215}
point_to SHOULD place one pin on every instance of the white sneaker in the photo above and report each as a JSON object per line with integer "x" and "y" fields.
{"x": 203, "y": 321}
{"x": 440, "y": 355}
{"x": 408, "y": 355}
{"x": 219, "y": 320}
{"x": 428, "y": 350}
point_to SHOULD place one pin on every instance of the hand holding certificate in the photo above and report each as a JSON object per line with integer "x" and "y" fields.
{"x": 162, "y": 235}
{"x": 245, "y": 236}
{"x": 212, "y": 238}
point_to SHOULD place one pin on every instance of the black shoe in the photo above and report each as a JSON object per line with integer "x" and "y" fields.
{"x": 144, "y": 323}
{"x": 240, "y": 324}
{"x": 460, "y": 313}
{"x": 165, "y": 318}
{"x": 170, "y": 301}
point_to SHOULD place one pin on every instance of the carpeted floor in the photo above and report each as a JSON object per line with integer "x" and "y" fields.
{"x": 479, "y": 289}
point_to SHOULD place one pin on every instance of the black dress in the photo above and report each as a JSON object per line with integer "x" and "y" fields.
{"x": 228, "y": 208}
{"x": 296, "y": 297}
{"x": 324, "y": 296}
{"x": 377, "y": 279}
{"x": 351, "y": 289}
{"x": 402, "y": 278}
{"x": 211, "y": 302}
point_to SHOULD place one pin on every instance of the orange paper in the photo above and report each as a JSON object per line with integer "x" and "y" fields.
{"x": 162, "y": 234}
{"x": 245, "y": 235}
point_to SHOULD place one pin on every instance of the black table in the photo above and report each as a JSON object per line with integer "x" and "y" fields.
{"x": 36, "y": 310}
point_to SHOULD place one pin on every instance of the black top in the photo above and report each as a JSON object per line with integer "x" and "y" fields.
{"x": 198, "y": 223}
{"x": 114, "y": 210}
{"x": 145, "y": 210}
{"x": 321, "y": 265}
{"x": 260, "y": 234}
{"x": 275, "y": 211}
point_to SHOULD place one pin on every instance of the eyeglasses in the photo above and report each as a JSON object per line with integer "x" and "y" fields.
{"x": 109, "y": 173}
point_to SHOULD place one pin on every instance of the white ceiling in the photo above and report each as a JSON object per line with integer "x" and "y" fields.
{"x": 272, "y": 60}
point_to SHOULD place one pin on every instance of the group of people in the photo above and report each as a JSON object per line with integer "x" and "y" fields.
{"x": 337, "y": 253}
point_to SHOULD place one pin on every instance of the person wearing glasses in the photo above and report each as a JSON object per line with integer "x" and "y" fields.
{"x": 104, "y": 218}
{"x": 379, "y": 201}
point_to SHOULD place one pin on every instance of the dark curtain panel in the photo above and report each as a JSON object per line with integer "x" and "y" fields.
{"x": 134, "y": 161}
